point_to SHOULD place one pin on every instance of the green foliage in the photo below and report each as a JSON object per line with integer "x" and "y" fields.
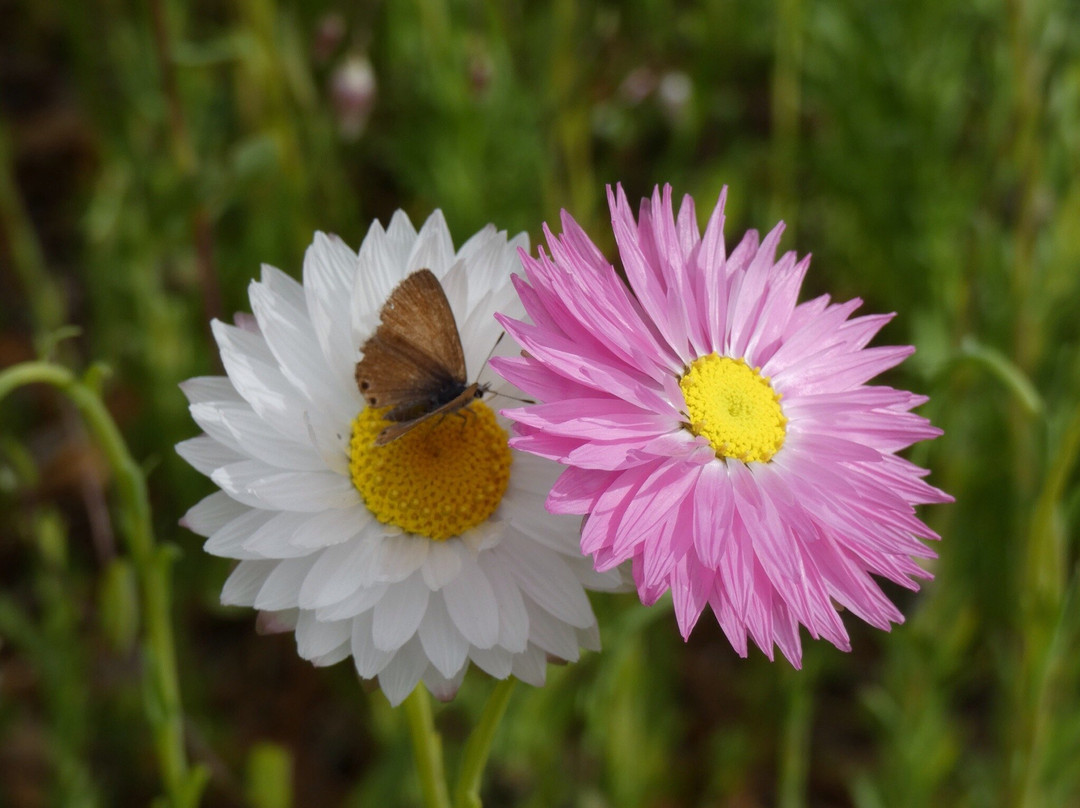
{"x": 152, "y": 155}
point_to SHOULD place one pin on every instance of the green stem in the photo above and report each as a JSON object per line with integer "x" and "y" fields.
{"x": 182, "y": 785}
{"x": 786, "y": 102}
{"x": 478, "y": 747}
{"x": 46, "y": 301}
{"x": 186, "y": 160}
{"x": 427, "y": 749}
{"x": 795, "y": 743}
{"x": 1046, "y": 604}
{"x": 571, "y": 120}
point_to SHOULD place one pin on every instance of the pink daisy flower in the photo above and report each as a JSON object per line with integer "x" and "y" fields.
{"x": 718, "y": 434}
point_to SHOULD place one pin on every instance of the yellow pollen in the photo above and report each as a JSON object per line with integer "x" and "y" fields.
{"x": 734, "y": 407}
{"x": 440, "y": 478}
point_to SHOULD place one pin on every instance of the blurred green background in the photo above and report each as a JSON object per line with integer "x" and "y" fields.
{"x": 927, "y": 152}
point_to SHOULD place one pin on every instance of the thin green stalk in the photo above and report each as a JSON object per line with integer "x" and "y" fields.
{"x": 50, "y": 639}
{"x": 1026, "y": 119}
{"x": 786, "y": 102}
{"x": 1045, "y": 603}
{"x": 1046, "y": 685}
{"x": 46, "y": 301}
{"x": 571, "y": 120}
{"x": 1041, "y": 577}
{"x": 427, "y": 749}
{"x": 186, "y": 160}
{"x": 795, "y": 743}
{"x": 478, "y": 747}
{"x": 152, "y": 563}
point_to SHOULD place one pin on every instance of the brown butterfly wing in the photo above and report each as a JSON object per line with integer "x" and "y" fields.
{"x": 463, "y": 399}
{"x": 416, "y": 350}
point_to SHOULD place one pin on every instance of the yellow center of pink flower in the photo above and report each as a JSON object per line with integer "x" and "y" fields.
{"x": 734, "y": 407}
{"x": 442, "y": 477}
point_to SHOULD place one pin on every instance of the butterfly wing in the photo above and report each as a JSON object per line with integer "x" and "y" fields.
{"x": 416, "y": 351}
{"x": 463, "y": 399}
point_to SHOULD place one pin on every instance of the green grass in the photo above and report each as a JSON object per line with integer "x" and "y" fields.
{"x": 152, "y": 155}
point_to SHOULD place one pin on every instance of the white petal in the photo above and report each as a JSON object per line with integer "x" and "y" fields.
{"x": 238, "y": 426}
{"x": 400, "y": 677}
{"x": 244, "y": 583}
{"x": 380, "y": 268}
{"x": 329, "y": 271}
{"x": 282, "y": 587}
{"x": 444, "y": 688}
{"x": 245, "y": 342}
{"x": 546, "y": 579}
{"x": 478, "y": 241}
{"x": 518, "y": 242}
{"x": 272, "y": 540}
{"x": 443, "y": 563}
{"x": 283, "y": 285}
{"x": 209, "y": 388}
{"x": 617, "y": 579}
{"x": 484, "y": 536}
{"x": 589, "y": 637}
{"x": 400, "y": 556}
{"x": 337, "y": 574}
{"x": 206, "y": 455}
{"x": 433, "y": 248}
{"x": 208, "y": 416}
{"x": 489, "y": 261}
{"x": 228, "y": 541}
{"x": 368, "y": 659}
{"x": 513, "y": 618}
{"x": 254, "y": 372}
{"x": 289, "y": 334}
{"x": 401, "y": 234}
{"x": 330, "y": 441}
{"x": 279, "y": 622}
{"x": 531, "y": 666}
{"x": 472, "y": 605}
{"x": 551, "y": 634}
{"x": 332, "y": 527}
{"x": 481, "y": 332}
{"x": 314, "y": 638}
{"x": 333, "y": 657}
{"x": 554, "y": 532}
{"x": 359, "y": 602}
{"x": 535, "y": 476}
{"x": 491, "y": 265}
{"x": 261, "y": 486}
{"x": 442, "y": 642}
{"x": 212, "y": 513}
{"x": 398, "y": 614}
{"x": 495, "y": 661}
{"x": 455, "y": 284}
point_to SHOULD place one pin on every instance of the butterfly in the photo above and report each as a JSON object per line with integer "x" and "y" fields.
{"x": 414, "y": 362}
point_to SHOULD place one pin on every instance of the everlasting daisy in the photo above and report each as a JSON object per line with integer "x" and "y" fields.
{"x": 413, "y": 557}
{"x": 716, "y": 431}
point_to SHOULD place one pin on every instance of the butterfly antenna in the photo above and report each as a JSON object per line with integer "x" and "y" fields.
{"x": 486, "y": 387}
{"x": 512, "y": 398}
{"x": 492, "y": 351}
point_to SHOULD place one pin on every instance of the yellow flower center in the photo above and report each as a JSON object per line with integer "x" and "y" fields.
{"x": 734, "y": 407}
{"x": 440, "y": 478}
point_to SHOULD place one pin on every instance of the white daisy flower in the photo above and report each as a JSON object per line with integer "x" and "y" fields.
{"x": 448, "y": 556}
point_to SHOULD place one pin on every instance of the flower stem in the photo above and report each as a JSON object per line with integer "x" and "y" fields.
{"x": 786, "y": 104}
{"x": 795, "y": 741}
{"x": 27, "y": 257}
{"x": 182, "y": 785}
{"x": 427, "y": 749}
{"x": 478, "y": 747}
